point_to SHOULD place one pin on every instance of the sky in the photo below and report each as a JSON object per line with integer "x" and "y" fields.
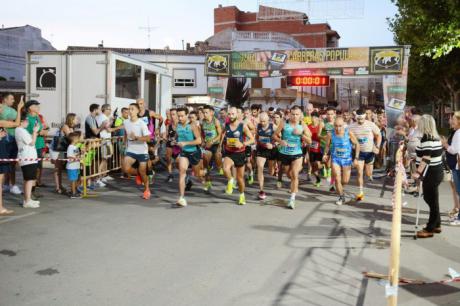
{"x": 117, "y": 23}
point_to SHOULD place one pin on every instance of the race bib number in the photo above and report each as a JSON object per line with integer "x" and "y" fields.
{"x": 231, "y": 142}
{"x": 340, "y": 152}
{"x": 264, "y": 140}
{"x": 314, "y": 145}
{"x": 362, "y": 140}
{"x": 291, "y": 147}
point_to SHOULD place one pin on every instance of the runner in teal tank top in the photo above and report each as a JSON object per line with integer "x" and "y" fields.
{"x": 290, "y": 134}
{"x": 189, "y": 139}
{"x": 339, "y": 145}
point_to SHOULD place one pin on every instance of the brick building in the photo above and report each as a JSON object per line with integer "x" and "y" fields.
{"x": 293, "y": 23}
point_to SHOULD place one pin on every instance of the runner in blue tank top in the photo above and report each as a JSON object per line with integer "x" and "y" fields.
{"x": 339, "y": 144}
{"x": 290, "y": 135}
{"x": 188, "y": 138}
{"x": 235, "y": 138}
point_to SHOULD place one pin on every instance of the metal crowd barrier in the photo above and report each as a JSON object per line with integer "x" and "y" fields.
{"x": 96, "y": 152}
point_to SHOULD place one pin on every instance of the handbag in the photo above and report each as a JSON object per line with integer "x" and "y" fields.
{"x": 60, "y": 142}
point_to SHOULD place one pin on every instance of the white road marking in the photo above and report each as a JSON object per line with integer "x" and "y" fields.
{"x": 12, "y": 218}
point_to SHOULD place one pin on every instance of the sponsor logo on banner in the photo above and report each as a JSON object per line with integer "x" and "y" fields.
{"x": 264, "y": 74}
{"x": 386, "y": 60}
{"x": 218, "y": 64}
{"x": 348, "y": 71}
{"x": 334, "y": 71}
{"x": 276, "y": 73}
{"x": 361, "y": 71}
{"x": 46, "y": 78}
{"x": 250, "y": 74}
{"x": 215, "y": 90}
{"x": 396, "y": 89}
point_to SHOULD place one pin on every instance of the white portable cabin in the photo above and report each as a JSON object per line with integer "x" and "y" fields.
{"x": 70, "y": 81}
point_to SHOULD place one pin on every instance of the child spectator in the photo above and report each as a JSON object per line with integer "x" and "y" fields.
{"x": 73, "y": 165}
{"x": 27, "y": 155}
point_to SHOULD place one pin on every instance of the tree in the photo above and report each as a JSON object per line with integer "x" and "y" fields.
{"x": 432, "y": 28}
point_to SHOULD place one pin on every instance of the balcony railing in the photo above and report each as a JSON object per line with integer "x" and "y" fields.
{"x": 265, "y": 36}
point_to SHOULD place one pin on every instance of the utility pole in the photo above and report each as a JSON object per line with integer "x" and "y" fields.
{"x": 149, "y": 29}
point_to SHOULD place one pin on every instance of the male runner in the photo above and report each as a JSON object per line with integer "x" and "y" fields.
{"x": 339, "y": 144}
{"x": 136, "y": 136}
{"x": 189, "y": 140}
{"x": 264, "y": 140}
{"x": 172, "y": 150}
{"x": 316, "y": 157}
{"x": 290, "y": 135}
{"x": 212, "y": 133}
{"x": 369, "y": 138}
{"x": 236, "y": 138}
{"x": 327, "y": 129}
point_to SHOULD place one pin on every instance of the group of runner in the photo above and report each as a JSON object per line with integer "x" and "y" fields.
{"x": 242, "y": 141}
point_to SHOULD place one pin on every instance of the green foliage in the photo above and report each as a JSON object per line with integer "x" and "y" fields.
{"x": 432, "y": 28}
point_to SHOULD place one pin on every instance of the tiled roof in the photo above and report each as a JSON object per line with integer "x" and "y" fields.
{"x": 141, "y": 51}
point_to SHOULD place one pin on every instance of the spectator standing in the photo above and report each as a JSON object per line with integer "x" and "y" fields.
{"x": 8, "y": 113}
{"x": 27, "y": 155}
{"x": 429, "y": 166}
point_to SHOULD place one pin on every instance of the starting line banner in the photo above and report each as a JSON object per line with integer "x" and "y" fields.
{"x": 357, "y": 61}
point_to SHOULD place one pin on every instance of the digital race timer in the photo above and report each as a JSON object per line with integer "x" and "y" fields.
{"x": 308, "y": 80}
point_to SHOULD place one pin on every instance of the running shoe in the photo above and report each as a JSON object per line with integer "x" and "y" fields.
{"x": 332, "y": 188}
{"x": 151, "y": 179}
{"x": 371, "y": 178}
{"x": 146, "y": 195}
{"x": 80, "y": 189}
{"x": 229, "y": 189}
{"x": 181, "y": 202}
{"x": 324, "y": 172}
{"x": 75, "y": 196}
{"x": 360, "y": 196}
{"x": 242, "y": 200}
{"x": 329, "y": 172}
{"x": 455, "y": 222}
{"x": 207, "y": 186}
{"x": 221, "y": 171}
{"x": 262, "y": 195}
{"x": 318, "y": 182}
{"x": 15, "y": 189}
{"x": 31, "y": 204}
{"x": 169, "y": 179}
{"x": 279, "y": 184}
{"x": 291, "y": 204}
{"x": 251, "y": 179}
{"x": 100, "y": 184}
{"x": 340, "y": 200}
{"x": 138, "y": 180}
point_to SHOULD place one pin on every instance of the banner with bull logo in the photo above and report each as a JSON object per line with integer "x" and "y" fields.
{"x": 323, "y": 61}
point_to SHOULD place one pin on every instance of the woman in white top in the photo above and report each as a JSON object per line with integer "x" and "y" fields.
{"x": 452, "y": 159}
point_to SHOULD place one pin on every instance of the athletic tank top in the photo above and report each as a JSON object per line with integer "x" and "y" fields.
{"x": 294, "y": 142}
{"x": 209, "y": 131}
{"x": 264, "y": 137}
{"x": 328, "y": 128}
{"x": 150, "y": 122}
{"x": 341, "y": 146}
{"x": 185, "y": 133}
{"x": 315, "y": 141}
{"x": 171, "y": 134}
{"x": 232, "y": 136}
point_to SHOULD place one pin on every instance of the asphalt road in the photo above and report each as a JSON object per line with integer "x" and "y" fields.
{"x": 117, "y": 249}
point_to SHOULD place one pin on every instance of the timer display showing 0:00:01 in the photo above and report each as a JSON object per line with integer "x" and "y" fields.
{"x": 309, "y": 81}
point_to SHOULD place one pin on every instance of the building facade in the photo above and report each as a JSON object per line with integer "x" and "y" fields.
{"x": 14, "y": 43}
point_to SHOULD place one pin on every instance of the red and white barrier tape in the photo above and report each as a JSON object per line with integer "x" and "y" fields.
{"x": 36, "y": 159}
